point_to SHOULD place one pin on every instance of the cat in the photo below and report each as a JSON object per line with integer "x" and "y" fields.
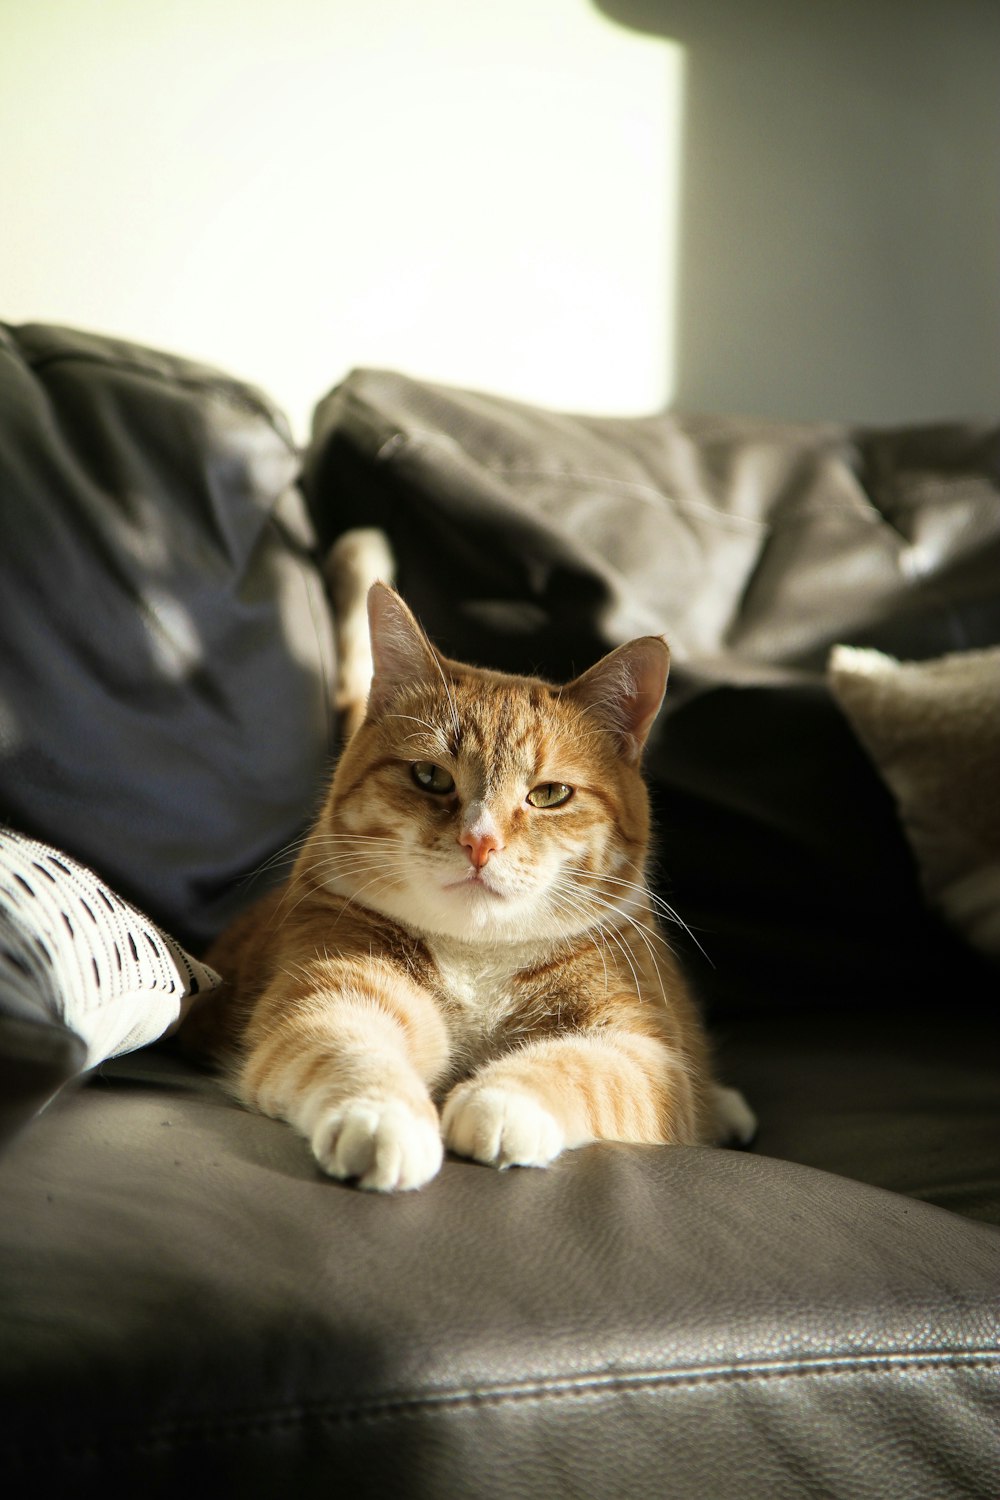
{"x": 466, "y": 954}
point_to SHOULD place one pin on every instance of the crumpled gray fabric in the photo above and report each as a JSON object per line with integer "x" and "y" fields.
{"x": 165, "y": 642}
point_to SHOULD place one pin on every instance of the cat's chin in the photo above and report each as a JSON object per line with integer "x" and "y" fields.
{"x": 475, "y": 888}
{"x": 467, "y": 910}
{"x": 473, "y": 909}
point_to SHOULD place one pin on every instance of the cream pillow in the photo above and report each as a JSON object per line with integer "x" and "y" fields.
{"x": 933, "y": 730}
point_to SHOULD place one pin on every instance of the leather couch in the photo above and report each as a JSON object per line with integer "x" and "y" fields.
{"x": 184, "y": 1301}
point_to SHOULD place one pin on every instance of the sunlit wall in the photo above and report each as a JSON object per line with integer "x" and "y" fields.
{"x": 480, "y": 194}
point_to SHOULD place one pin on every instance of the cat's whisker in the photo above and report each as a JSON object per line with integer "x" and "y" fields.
{"x": 329, "y": 865}
{"x": 646, "y": 935}
{"x": 456, "y": 722}
{"x": 617, "y": 939}
{"x": 650, "y": 930}
{"x": 658, "y": 903}
{"x": 657, "y": 899}
{"x": 593, "y": 931}
{"x": 671, "y": 915}
{"x": 317, "y": 888}
{"x": 287, "y": 854}
{"x": 413, "y": 719}
{"x": 283, "y": 913}
{"x": 355, "y": 898}
{"x": 348, "y": 869}
{"x": 382, "y": 839}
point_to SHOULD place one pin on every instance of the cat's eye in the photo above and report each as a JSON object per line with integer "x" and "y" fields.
{"x": 431, "y": 778}
{"x": 550, "y": 794}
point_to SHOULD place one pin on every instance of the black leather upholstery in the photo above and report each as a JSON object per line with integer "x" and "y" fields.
{"x": 194, "y": 1306}
{"x": 186, "y": 1303}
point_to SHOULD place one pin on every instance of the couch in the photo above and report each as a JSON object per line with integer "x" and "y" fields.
{"x": 184, "y": 1299}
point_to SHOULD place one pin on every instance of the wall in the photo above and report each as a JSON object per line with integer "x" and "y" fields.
{"x": 839, "y": 212}
{"x": 478, "y": 194}
{"x": 789, "y": 207}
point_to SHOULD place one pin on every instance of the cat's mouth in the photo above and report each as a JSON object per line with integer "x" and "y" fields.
{"x": 475, "y": 881}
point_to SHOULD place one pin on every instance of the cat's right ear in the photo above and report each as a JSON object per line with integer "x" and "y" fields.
{"x": 401, "y": 652}
{"x": 625, "y": 689}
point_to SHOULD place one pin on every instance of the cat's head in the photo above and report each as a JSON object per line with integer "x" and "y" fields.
{"x": 477, "y": 805}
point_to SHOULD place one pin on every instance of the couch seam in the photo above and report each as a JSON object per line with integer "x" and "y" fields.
{"x": 868, "y": 512}
{"x": 921, "y": 492}
{"x": 183, "y": 1431}
{"x": 417, "y": 438}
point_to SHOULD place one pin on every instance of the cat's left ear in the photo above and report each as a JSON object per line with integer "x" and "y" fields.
{"x": 401, "y": 652}
{"x": 625, "y": 689}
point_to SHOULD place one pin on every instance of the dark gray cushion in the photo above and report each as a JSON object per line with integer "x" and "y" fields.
{"x": 187, "y": 1300}
{"x": 534, "y": 541}
{"x": 165, "y": 652}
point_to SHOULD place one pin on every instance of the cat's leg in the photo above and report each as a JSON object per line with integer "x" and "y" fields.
{"x": 355, "y": 561}
{"x": 736, "y": 1123}
{"x": 560, "y": 1092}
{"x": 349, "y": 1067}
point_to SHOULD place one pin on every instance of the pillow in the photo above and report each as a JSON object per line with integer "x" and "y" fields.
{"x": 165, "y": 641}
{"x": 933, "y": 730}
{"x": 83, "y": 975}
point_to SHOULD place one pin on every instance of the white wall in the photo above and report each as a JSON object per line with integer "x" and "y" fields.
{"x": 789, "y": 207}
{"x": 474, "y": 193}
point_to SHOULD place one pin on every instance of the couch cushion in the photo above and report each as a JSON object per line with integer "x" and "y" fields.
{"x": 910, "y": 1105}
{"x": 165, "y": 654}
{"x": 187, "y": 1300}
{"x": 534, "y": 541}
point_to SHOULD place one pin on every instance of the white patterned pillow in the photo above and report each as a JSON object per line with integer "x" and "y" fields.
{"x": 933, "y": 730}
{"x": 76, "y": 959}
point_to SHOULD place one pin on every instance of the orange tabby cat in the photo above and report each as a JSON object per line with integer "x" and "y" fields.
{"x": 466, "y": 954}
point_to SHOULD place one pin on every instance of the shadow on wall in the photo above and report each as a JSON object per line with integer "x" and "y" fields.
{"x": 839, "y": 226}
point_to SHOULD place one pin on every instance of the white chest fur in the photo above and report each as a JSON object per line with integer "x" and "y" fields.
{"x": 478, "y": 986}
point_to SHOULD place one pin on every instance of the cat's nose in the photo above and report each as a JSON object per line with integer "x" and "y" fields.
{"x": 479, "y": 847}
{"x": 480, "y": 835}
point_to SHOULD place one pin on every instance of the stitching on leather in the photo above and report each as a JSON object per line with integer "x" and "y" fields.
{"x": 682, "y": 504}
{"x": 597, "y": 1386}
{"x": 867, "y": 511}
{"x": 406, "y": 442}
{"x": 224, "y": 1427}
{"x": 920, "y": 491}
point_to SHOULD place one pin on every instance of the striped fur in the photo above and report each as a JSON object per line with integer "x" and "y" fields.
{"x": 455, "y": 965}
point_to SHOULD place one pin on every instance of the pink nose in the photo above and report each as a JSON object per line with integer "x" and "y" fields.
{"x": 479, "y": 847}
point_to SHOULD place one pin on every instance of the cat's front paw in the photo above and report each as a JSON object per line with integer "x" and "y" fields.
{"x": 501, "y": 1127}
{"x": 384, "y": 1145}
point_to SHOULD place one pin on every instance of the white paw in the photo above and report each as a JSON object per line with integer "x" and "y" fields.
{"x": 735, "y": 1121}
{"x": 501, "y": 1127}
{"x": 384, "y": 1145}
